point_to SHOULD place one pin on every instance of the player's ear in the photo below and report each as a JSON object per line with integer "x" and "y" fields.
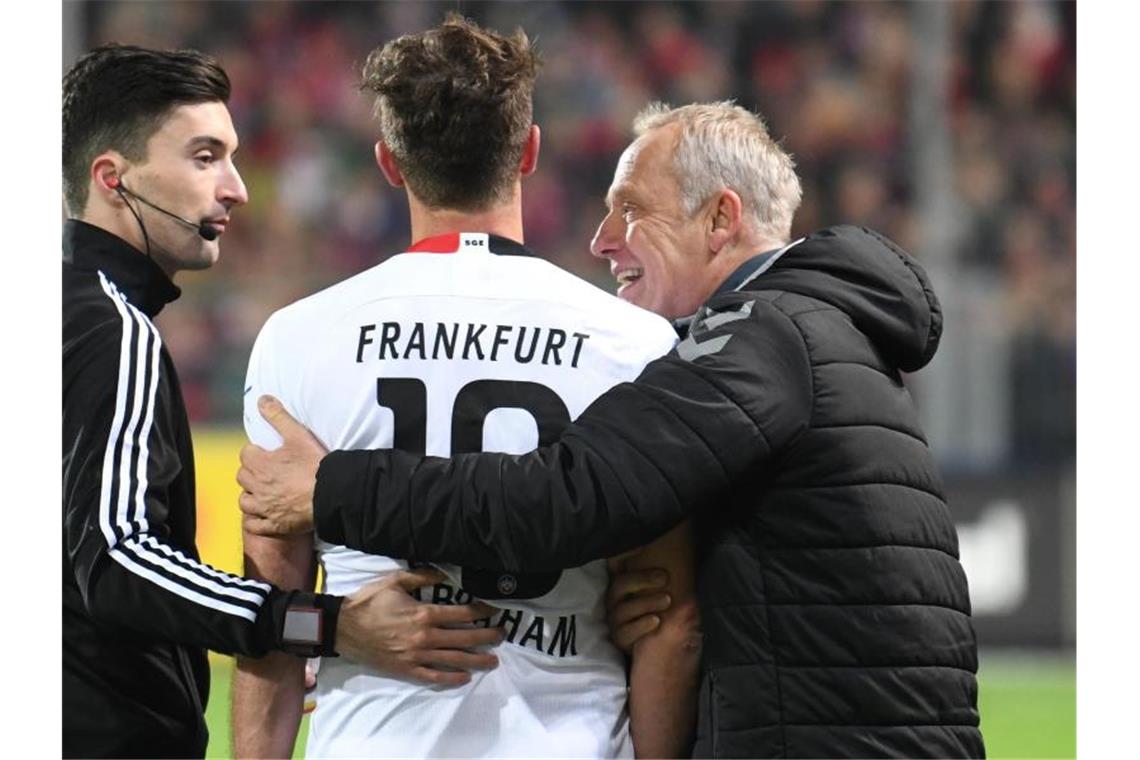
{"x": 388, "y": 167}
{"x": 529, "y": 160}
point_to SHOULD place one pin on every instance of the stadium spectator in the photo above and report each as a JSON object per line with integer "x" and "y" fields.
{"x": 836, "y": 614}
{"x": 150, "y": 183}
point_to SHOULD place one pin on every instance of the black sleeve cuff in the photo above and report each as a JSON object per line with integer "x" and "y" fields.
{"x": 300, "y": 623}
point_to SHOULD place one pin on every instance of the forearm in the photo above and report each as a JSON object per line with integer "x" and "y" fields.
{"x": 222, "y": 613}
{"x": 542, "y": 511}
{"x": 664, "y": 675}
{"x": 663, "y": 686}
{"x": 601, "y": 490}
{"x": 268, "y": 693}
{"x": 268, "y": 697}
{"x": 135, "y": 569}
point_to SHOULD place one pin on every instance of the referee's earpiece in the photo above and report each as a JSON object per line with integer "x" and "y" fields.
{"x": 106, "y": 170}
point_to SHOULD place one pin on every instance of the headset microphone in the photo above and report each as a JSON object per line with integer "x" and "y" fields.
{"x": 204, "y": 230}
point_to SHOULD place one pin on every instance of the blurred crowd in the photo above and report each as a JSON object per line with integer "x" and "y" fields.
{"x": 835, "y": 81}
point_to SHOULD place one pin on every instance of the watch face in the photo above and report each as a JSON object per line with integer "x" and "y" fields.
{"x": 302, "y": 626}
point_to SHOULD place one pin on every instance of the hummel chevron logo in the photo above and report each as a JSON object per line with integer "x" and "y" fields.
{"x": 689, "y": 349}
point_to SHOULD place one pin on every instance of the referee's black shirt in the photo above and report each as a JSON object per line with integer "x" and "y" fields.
{"x": 139, "y": 609}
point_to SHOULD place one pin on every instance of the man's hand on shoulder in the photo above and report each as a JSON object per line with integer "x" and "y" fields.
{"x": 278, "y": 485}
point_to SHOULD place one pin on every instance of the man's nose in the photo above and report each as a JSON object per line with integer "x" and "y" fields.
{"x": 608, "y": 238}
{"x": 232, "y": 191}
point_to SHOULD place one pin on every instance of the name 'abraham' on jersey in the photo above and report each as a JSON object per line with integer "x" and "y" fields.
{"x": 556, "y": 636}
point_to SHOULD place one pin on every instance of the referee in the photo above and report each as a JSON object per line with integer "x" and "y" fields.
{"x": 149, "y": 181}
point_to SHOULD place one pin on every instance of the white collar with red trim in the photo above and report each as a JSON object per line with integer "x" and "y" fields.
{"x": 470, "y": 242}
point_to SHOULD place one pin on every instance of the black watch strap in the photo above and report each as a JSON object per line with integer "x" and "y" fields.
{"x": 308, "y": 628}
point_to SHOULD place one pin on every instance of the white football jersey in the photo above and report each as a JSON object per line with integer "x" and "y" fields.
{"x": 464, "y": 343}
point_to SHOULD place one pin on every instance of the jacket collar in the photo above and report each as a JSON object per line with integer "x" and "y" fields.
{"x": 743, "y": 274}
{"x": 142, "y": 281}
{"x": 753, "y": 268}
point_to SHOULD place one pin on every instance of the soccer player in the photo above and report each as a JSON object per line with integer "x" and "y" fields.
{"x": 465, "y": 342}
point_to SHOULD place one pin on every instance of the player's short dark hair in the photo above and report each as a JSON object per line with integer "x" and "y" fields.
{"x": 117, "y": 96}
{"x": 454, "y": 105}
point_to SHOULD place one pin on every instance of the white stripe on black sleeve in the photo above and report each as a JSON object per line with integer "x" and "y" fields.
{"x": 108, "y": 480}
{"x": 204, "y": 570}
{"x": 149, "y": 359}
{"x": 203, "y": 598}
{"x": 122, "y": 503}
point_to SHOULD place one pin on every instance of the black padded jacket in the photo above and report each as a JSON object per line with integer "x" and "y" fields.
{"x": 836, "y": 614}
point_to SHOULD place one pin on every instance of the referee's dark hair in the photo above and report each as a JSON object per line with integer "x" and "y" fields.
{"x": 455, "y": 108}
{"x": 117, "y": 96}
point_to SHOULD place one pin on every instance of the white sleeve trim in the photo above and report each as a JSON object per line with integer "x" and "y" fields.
{"x": 122, "y": 500}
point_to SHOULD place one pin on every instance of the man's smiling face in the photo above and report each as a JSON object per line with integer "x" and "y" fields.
{"x": 657, "y": 252}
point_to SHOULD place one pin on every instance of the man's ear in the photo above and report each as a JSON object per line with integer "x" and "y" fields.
{"x": 529, "y": 160}
{"x": 106, "y": 174}
{"x": 725, "y": 219}
{"x": 388, "y": 167}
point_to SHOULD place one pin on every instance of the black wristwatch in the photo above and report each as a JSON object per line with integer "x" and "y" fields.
{"x": 308, "y": 628}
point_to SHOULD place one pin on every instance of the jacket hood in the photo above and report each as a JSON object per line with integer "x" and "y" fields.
{"x": 884, "y": 291}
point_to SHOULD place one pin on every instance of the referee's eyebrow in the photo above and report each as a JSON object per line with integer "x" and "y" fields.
{"x": 209, "y": 141}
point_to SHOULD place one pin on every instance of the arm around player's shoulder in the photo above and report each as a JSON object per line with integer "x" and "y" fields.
{"x": 641, "y": 457}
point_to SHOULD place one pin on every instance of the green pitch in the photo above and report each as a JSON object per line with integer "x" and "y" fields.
{"x": 1028, "y": 706}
